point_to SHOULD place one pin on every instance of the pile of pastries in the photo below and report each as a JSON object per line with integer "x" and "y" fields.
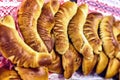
{"x": 59, "y": 38}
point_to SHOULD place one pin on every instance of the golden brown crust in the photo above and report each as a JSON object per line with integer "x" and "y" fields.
{"x": 113, "y": 68}
{"x": 102, "y": 63}
{"x": 89, "y": 64}
{"x": 33, "y": 73}
{"x": 71, "y": 61}
{"x": 14, "y": 49}
{"x": 66, "y": 11}
{"x": 7, "y": 74}
{"x": 27, "y": 20}
{"x": 76, "y": 25}
{"x": 56, "y": 65}
{"x": 75, "y": 31}
{"x": 107, "y": 36}
{"x": 46, "y": 22}
{"x": 90, "y": 31}
{"x": 116, "y": 31}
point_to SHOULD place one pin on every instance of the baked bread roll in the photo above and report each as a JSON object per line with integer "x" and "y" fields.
{"x": 28, "y": 15}
{"x": 7, "y": 74}
{"x": 107, "y": 36}
{"x": 75, "y": 31}
{"x": 16, "y": 50}
{"x": 45, "y": 25}
{"x": 71, "y": 61}
{"x": 90, "y": 31}
{"x": 102, "y": 62}
{"x": 65, "y": 13}
{"x": 46, "y": 22}
{"x": 33, "y": 73}
{"x": 110, "y": 45}
{"x": 113, "y": 68}
{"x": 116, "y": 31}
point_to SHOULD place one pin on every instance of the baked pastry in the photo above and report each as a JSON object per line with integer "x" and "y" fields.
{"x": 28, "y": 15}
{"x": 16, "y": 50}
{"x": 71, "y": 61}
{"x": 45, "y": 25}
{"x": 113, "y": 68}
{"x": 75, "y": 31}
{"x": 90, "y": 31}
{"x": 7, "y": 74}
{"x": 56, "y": 65}
{"x": 46, "y": 21}
{"x": 102, "y": 62}
{"x": 110, "y": 45}
{"x": 65, "y": 13}
{"x": 116, "y": 32}
{"x": 107, "y": 36}
{"x": 32, "y": 73}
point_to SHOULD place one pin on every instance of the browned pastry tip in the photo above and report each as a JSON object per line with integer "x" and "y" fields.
{"x": 56, "y": 65}
{"x": 7, "y": 74}
{"x": 55, "y": 4}
{"x": 90, "y": 31}
{"x": 16, "y": 50}
{"x": 113, "y": 68}
{"x": 46, "y": 22}
{"x": 71, "y": 61}
{"x": 88, "y": 65}
{"x": 32, "y": 73}
{"x": 28, "y": 15}
{"x": 65, "y": 13}
{"x": 87, "y": 51}
{"x": 106, "y": 33}
{"x": 102, "y": 63}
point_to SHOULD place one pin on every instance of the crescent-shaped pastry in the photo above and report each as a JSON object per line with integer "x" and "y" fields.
{"x": 28, "y": 15}
{"x": 75, "y": 31}
{"x": 71, "y": 61}
{"x": 46, "y": 22}
{"x": 116, "y": 31}
{"x": 80, "y": 42}
{"x": 16, "y": 50}
{"x": 7, "y": 74}
{"x": 65, "y": 13}
{"x": 88, "y": 65}
{"x": 113, "y": 68}
{"x": 102, "y": 63}
{"x": 32, "y": 73}
{"x": 106, "y": 33}
{"x": 90, "y": 31}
